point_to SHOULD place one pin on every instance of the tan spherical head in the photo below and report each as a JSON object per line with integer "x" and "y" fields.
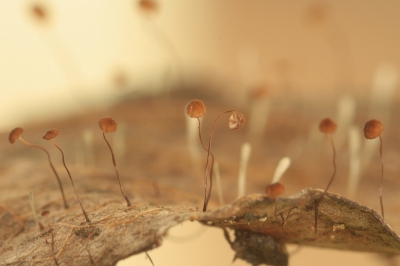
{"x": 236, "y": 120}
{"x": 51, "y": 134}
{"x": 107, "y": 124}
{"x": 14, "y": 134}
{"x": 275, "y": 190}
{"x": 373, "y": 129}
{"x": 149, "y": 6}
{"x": 38, "y": 11}
{"x": 45, "y": 213}
{"x": 327, "y": 126}
{"x": 196, "y": 109}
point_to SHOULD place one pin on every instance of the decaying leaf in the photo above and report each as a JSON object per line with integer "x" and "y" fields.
{"x": 117, "y": 231}
{"x": 342, "y": 224}
{"x": 164, "y": 186}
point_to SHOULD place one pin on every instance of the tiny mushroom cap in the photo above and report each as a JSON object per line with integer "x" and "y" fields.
{"x": 259, "y": 92}
{"x": 327, "y": 126}
{"x": 148, "y": 5}
{"x": 373, "y": 129}
{"x": 45, "y": 213}
{"x": 196, "y": 109}
{"x": 14, "y": 134}
{"x": 107, "y": 124}
{"x": 39, "y": 11}
{"x": 236, "y": 120}
{"x": 275, "y": 190}
{"x": 51, "y": 134}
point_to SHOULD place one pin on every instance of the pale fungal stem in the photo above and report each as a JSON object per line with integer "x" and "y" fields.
{"x": 192, "y": 135}
{"x": 385, "y": 82}
{"x": 283, "y": 165}
{"x": 35, "y": 216}
{"x": 119, "y": 141}
{"x": 79, "y": 154}
{"x": 244, "y": 159}
{"x": 259, "y": 113}
{"x": 345, "y": 117}
{"x": 219, "y": 185}
{"x": 248, "y": 60}
{"x": 88, "y": 139}
{"x": 355, "y": 161}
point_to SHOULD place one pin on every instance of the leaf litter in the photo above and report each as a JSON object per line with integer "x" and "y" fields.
{"x": 117, "y": 231}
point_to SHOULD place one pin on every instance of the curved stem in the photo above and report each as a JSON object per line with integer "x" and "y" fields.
{"x": 69, "y": 174}
{"x": 208, "y": 195}
{"x": 116, "y": 171}
{"x": 51, "y": 165}
{"x": 329, "y": 184}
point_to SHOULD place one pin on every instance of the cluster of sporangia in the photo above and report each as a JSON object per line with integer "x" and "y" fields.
{"x": 372, "y": 129}
{"x": 196, "y": 109}
{"x": 107, "y": 125}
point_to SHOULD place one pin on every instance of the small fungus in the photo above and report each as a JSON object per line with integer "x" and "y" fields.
{"x": 50, "y": 135}
{"x": 372, "y": 130}
{"x": 148, "y": 6}
{"x": 236, "y": 120}
{"x": 39, "y": 12}
{"x": 16, "y": 134}
{"x": 35, "y": 216}
{"x": 275, "y": 190}
{"x": 109, "y": 125}
{"x": 328, "y": 127}
{"x": 196, "y": 109}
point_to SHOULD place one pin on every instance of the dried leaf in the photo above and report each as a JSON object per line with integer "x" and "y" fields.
{"x": 342, "y": 224}
{"x": 165, "y": 188}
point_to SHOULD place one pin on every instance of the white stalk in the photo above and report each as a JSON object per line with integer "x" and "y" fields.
{"x": 244, "y": 159}
{"x": 88, "y": 147}
{"x": 259, "y": 113}
{"x": 219, "y": 185}
{"x": 345, "y": 116}
{"x": 283, "y": 165}
{"x": 192, "y": 137}
{"x": 119, "y": 141}
{"x": 35, "y": 216}
{"x": 355, "y": 161}
{"x": 384, "y": 84}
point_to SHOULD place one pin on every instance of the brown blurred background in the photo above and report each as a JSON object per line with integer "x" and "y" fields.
{"x": 89, "y": 55}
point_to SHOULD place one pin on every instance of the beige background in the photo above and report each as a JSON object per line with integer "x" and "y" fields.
{"x": 312, "y": 49}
